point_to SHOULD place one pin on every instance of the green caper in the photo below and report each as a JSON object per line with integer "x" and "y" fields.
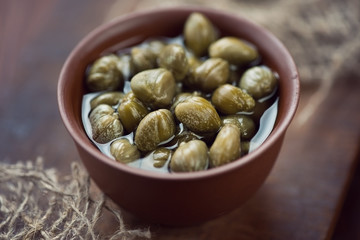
{"x": 173, "y": 58}
{"x": 226, "y": 147}
{"x": 155, "y": 128}
{"x": 199, "y": 33}
{"x": 131, "y": 111}
{"x": 161, "y": 156}
{"x": 259, "y": 82}
{"x": 107, "y": 128}
{"x": 123, "y": 151}
{"x": 100, "y": 111}
{"x": 109, "y": 98}
{"x": 211, "y": 74}
{"x": 245, "y": 146}
{"x": 198, "y": 115}
{"x": 156, "y": 46}
{"x": 143, "y": 58}
{"x": 245, "y": 123}
{"x": 126, "y": 66}
{"x": 233, "y": 50}
{"x": 181, "y": 97}
{"x": 155, "y": 87}
{"x": 229, "y": 99}
{"x": 189, "y": 157}
{"x": 105, "y": 75}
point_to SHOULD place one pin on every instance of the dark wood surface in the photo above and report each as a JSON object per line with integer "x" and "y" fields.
{"x": 301, "y": 199}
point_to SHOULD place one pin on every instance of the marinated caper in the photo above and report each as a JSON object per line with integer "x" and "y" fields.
{"x": 123, "y": 151}
{"x": 179, "y": 98}
{"x": 211, "y": 74}
{"x": 198, "y": 115}
{"x": 107, "y": 128}
{"x": 109, "y": 98}
{"x": 161, "y": 156}
{"x": 104, "y": 74}
{"x": 233, "y": 50}
{"x": 199, "y": 33}
{"x": 155, "y": 87}
{"x": 99, "y": 111}
{"x": 131, "y": 111}
{"x": 156, "y": 46}
{"x": 156, "y": 127}
{"x": 245, "y": 123}
{"x": 189, "y": 157}
{"x": 173, "y": 58}
{"x": 229, "y": 99}
{"x": 226, "y": 147}
{"x": 259, "y": 82}
{"x": 143, "y": 58}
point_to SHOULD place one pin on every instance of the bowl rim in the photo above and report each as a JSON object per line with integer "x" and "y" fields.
{"x": 88, "y": 146}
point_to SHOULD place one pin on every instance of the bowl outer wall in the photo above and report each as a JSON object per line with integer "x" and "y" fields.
{"x": 176, "y": 199}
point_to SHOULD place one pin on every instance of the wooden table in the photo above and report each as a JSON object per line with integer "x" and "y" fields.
{"x": 302, "y": 197}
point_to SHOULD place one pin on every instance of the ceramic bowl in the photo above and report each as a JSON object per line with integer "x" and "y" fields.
{"x": 184, "y": 198}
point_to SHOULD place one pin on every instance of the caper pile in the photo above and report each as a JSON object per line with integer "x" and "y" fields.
{"x": 187, "y": 103}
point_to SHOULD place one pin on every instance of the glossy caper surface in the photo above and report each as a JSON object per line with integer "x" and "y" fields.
{"x": 123, "y": 151}
{"x": 189, "y": 157}
{"x": 229, "y": 99}
{"x": 226, "y": 147}
{"x": 210, "y": 74}
{"x": 131, "y": 112}
{"x": 155, "y": 87}
{"x": 156, "y": 127}
{"x": 104, "y": 74}
{"x": 198, "y": 115}
{"x": 244, "y": 122}
{"x": 143, "y": 59}
{"x": 107, "y": 128}
{"x": 199, "y": 33}
{"x": 173, "y": 58}
{"x": 233, "y": 50}
{"x": 109, "y": 98}
{"x": 259, "y": 82}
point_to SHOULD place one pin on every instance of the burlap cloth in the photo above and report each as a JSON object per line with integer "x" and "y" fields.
{"x": 323, "y": 37}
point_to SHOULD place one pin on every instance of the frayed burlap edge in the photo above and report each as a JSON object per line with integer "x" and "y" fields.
{"x": 36, "y": 204}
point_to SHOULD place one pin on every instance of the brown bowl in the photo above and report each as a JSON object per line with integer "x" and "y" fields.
{"x": 184, "y": 198}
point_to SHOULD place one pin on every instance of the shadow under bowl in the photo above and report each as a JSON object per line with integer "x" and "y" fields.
{"x": 184, "y": 198}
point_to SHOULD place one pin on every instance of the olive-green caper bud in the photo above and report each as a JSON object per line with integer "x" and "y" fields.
{"x": 143, "y": 58}
{"x": 123, "y": 151}
{"x": 199, "y": 33}
{"x": 155, "y": 128}
{"x": 126, "y": 66}
{"x": 233, "y": 50}
{"x": 245, "y": 146}
{"x": 105, "y": 75}
{"x": 107, "y": 128}
{"x": 156, "y": 46}
{"x": 211, "y": 74}
{"x": 131, "y": 112}
{"x": 189, "y": 157}
{"x": 198, "y": 115}
{"x": 161, "y": 156}
{"x": 155, "y": 87}
{"x": 229, "y": 99}
{"x": 226, "y": 147}
{"x": 245, "y": 123}
{"x": 173, "y": 58}
{"x": 109, "y": 98}
{"x": 259, "y": 82}
{"x": 100, "y": 111}
{"x": 181, "y": 97}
